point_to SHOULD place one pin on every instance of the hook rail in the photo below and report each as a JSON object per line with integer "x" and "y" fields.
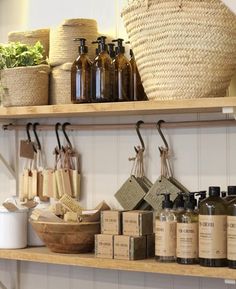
{"x": 180, "y": 124}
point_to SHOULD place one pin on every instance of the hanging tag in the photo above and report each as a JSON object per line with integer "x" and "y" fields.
{"x": 26, "y": 149}
{"x": 10, "y": 207}
{"x": 179, "y": 185}
{"x": 130, "y": 194}
{"x": 147, "y": 182}
{"x": 75, "y": 183}
{"x": 161, "y": 186}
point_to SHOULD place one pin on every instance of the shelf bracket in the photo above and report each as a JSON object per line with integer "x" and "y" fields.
{"x": 229, "y": 110}
{"x": 230, "y": 281}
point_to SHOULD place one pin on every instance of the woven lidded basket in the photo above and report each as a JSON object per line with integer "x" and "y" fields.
{"x": 62, "y": 47}
{"x": 60, "y": 84}
{"x": 183, "y": 48}
{"x": 24, "y": 86}
{"x": 31, "y": 37}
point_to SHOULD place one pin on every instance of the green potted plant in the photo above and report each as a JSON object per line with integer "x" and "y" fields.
{"x": 24, "y": 77}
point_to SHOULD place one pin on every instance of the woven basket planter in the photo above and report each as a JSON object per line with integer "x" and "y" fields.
{"x": 183, "y": 48}
{"x": 62, "y": 47}
{"x": 60, "y": 84}
{"x": 31, "y": 37}
{"x": 25, "y": 86}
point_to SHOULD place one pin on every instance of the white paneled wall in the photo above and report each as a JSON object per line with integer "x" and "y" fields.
{"x": 200, "y": 157}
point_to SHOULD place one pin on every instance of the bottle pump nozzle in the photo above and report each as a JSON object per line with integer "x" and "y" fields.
{"x": 101, "y": 43}
{"x": 167, "y": 203}
{"x": 82, "y": 47}
{"x": 120, "y": 48}
{"x": 179, "y": 201}
{"x": 191, "y": 202}
{"x": 111, "y": 50}
{"x": 202, "y": 196}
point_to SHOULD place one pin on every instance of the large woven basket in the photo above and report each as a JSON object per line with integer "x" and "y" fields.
{"x": 60, "y": 84}
{"x": 183, "y": 48}
{"x": 24, "y": 86}
{"x": 31, "y": 37}
{"x": 62, "y": 47}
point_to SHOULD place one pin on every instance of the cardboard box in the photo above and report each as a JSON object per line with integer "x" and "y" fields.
{"x": 129, "y": 247}
{"x": 104, "y": 246}
{"x": 137, "y": 223}
{"x": 150, "y": 245}
{"x": 111, "y": 222}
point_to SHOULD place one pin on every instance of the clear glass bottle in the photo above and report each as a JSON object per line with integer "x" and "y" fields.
{"x": 187, "y": 233}
{"x": 231, "y": 234}
{"x": 212, "y": 230}
{"x": 137, "y": 86}
{"x": 123, "y": 74}
{"x": 165, "y": 232}
{"x": 81, "y": 75}
{"x": 102, "y": 74}
{"x": 178, "y": 205}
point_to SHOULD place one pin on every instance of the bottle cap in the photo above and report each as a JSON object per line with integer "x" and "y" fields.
{"x": 223, "y": 194}
{"x": 231, "y": 190}
{"x": 214, "y": 191}
{"x": 120, "y": 48}
{"x": 167, "y": 203}
{"x": 82, "y": 47}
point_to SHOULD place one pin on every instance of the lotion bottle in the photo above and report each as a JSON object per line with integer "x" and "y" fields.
{"x": 165, "y": 232}
{"x": 213, "y": 230}
{"x": 187, "y": 233}
{"x": 231, "y": 234}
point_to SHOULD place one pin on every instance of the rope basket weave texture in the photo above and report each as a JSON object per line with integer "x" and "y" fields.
{"x": 25, "y": 86}
{"x": 60, "y": 84}
{"x": 62, "y": 47}
{"x": 183, "y": 48}
{"x": 31, "y": 37}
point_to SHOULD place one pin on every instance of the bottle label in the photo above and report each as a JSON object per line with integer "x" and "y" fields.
{"x": 165, "y": 239}
{"x": 212, "y": 236}
{"x": 187, "y": 240}
{"x": 231, "y": 238}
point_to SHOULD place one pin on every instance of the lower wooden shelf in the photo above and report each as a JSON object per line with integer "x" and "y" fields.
{"x": 43, "y": 255}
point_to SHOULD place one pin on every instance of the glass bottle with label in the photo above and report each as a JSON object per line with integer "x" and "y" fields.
{"x": 102, "y": 74}
{"x": 81, "y": 75}
{"x": 165, "y": 232}
{"x": 213, "y": 230}
{"x": 123, "y": 74}
{"x": 178, "y": 205}
{"x": 231, "y": 234}
{"x": 187, "y": 233}
{"x": 231, "y": 193}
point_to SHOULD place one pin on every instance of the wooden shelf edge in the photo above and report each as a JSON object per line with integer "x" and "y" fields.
{"x": 120, "y": 108}
{"x": 43, "y": 255}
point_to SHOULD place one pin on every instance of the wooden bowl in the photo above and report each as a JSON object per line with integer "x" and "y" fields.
{"x": 67, "y": 237}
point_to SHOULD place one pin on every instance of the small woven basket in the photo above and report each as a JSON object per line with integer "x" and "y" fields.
{"x": 183, "y": 48}
{"x": 62, "y": 47}
{"x": 60, "y": 84}
{"x": 31, "y": 37}
{"x": 25, "y": 86}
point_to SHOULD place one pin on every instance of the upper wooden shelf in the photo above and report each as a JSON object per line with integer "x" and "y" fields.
{"x": 43, "y": 255}
{"x": 120, "y": 108}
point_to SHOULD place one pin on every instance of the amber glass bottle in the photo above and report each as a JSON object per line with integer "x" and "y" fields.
{"x": 81, "y": 75}
{"x": 102, "y": 74}
{"x": 231, "y": 234}
{"x": 123, "y": 74}
{"x": 212, "y": 230}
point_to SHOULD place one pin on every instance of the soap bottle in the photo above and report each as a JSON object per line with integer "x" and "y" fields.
{"x": 137, "y": 86}
{"x": 187, "y": 233}
{"x": 178, "y": 205}
{"x": 111, "y": 50}
{"x": 231, "y": 193}
{"x": 202, "y": 196}
{"x": 81, "y": 75}
{"x": 102, "y": 74}
{"x": 212, "y": 230}
{"x": 231, "y": 234}
{"x": 123, "y": 74}
{"x": 165, "y": 232}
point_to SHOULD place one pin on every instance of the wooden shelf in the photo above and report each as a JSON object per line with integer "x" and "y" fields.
{"x": 43, "y": 255}
{"x": 120, "y": 108}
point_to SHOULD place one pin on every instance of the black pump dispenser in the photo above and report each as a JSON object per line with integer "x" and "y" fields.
{"x": 179, "y": 201}
{"x": 82, "y": 47}
{"x": 202, "y": 196}
{"x": 120, "y": 48}
{"x": 167, "y": 203}
{"x": 102, "y": 43}
{"x": 214, "y": 191}
{"x": 190, "y": 202}
{"x": 111, "y": 50}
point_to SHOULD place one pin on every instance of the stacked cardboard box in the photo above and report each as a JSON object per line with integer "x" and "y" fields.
{"x": 125, "y": 235}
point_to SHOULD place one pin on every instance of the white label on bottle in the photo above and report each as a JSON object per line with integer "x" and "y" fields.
{"x": 187, "y": 240}
{"x": 231, "y": 238}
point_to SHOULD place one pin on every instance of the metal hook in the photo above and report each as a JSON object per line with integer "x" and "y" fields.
{"x": 36, "y": 136}
{"x": 161, "y": 134}
{"x": 65, "y": 134}
{"x": 57, "y": 135}
{"x": 138, "y": 124}
{"x": 29, "y": 124}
